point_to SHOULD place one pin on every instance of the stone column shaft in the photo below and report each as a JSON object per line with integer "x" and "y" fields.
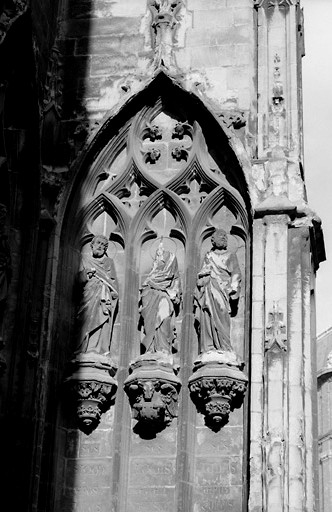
{"x": 275, "y": 392}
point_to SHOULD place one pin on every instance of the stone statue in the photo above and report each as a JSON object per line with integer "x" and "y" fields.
{"x": 218, "y": 286}
{"x": 160, "y": 295}
{"x": 99, "y": 299}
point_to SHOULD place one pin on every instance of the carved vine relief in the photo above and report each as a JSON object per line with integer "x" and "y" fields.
{"x": 160, "y": 195}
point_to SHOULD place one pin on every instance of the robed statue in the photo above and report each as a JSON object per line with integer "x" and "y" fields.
{"x": 216, "y": 295}
{"x": 99, "y": 299}
{"x": 159, "y": 302}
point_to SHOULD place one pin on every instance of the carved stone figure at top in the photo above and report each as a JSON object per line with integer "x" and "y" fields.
{"x": 164, "y": 19}
{"x": 160, "y": 294}
{"x": 217, "y": 290}
{"x": 99, "y": 299}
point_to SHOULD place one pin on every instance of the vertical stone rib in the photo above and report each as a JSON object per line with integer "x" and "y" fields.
{"x": 275, "y": 361}
{"x": 257, "y": 365}
{"x": 309, "y": 374}
{"x": 122, "y": 419}
{"x": 296, "y": 488}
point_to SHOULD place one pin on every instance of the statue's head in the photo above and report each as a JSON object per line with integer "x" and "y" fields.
{"x": 99, "y": 245}
{"x": 219, "y": 239}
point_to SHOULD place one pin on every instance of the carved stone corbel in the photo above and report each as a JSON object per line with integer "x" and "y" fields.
{"x": 93, "y": 388}
{"x": 153, "y": 390}
{"x": 216, "y": 389}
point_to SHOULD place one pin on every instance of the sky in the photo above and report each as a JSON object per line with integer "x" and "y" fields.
{"x": 317, "y": 101}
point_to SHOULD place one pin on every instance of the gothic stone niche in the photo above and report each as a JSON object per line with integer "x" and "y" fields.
{"x": 92, "y": 369}
{"x": 218, "y": 383}
{"x": 153, "y": 386}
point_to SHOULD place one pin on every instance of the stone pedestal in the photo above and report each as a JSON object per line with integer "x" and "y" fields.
{"x": 93, "y": 387}
{"x": 153, "y": 390}
{"x": 217, "y": 386}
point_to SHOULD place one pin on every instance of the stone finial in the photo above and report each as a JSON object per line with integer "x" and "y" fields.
{"x": 165, "y": 17}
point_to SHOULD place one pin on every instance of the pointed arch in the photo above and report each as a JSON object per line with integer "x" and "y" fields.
{"x": 162, "y": 92}
{"x": 193, "y": 180}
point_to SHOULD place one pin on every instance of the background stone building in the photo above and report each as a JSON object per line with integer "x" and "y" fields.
{"x": 324, "y": 369}
{"x": 177, "y": 371}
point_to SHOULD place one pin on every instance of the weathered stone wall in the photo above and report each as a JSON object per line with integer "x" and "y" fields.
{"x": 236, "y": 63}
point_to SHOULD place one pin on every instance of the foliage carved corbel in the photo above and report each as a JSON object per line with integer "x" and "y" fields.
{"x": 93, "y": 388}
{"x": 217, "y": 389}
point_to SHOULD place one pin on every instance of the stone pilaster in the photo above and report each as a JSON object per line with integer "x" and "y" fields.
{"x": 281, "y": 437}
{"x": 300, "y": 371}
{"x": 275, "y": 404}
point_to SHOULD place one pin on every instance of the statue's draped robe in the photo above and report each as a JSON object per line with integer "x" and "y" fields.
{"x": 95, "y": 317}
{"x": 160, "y": 289}
{"x": 219, "y": 276}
